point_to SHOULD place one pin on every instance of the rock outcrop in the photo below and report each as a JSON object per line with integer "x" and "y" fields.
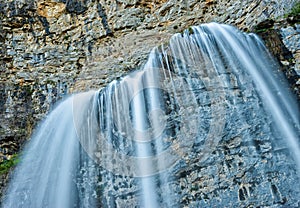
{"x": 50, "y": 48}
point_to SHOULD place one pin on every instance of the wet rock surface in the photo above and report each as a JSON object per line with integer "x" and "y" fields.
{"x": 50, "y": 48}
{"x": 282, "y": 39}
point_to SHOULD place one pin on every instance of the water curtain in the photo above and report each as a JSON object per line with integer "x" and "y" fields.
{"x": 128, "y": 144}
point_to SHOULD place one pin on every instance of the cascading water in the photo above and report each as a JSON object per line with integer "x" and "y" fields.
{"x": 205, "y": 122}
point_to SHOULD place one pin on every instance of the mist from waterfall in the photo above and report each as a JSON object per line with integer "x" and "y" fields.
{"x": 127, "y": 144}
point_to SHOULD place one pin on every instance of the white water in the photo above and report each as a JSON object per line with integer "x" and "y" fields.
{"x": 139, "y": 128}
{"x": 264, "y": 72}
{"x": 48, "y": 164}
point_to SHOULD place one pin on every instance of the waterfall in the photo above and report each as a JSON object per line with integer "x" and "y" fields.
{"x": 210, "y": 104}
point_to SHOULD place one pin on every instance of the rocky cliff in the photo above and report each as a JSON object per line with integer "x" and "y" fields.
{"x": 50, "y": 48}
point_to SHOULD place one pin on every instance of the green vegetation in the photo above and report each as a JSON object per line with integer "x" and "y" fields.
{"x": 262, "y": 30}
{"x": 264, "y": 26}
{"x": 67, "y": 37}
{"x": 191, "y": 31}
{"x": 28, "y": 89}
{"x": 295, "y": 10}
{"x": 50, "y": 82}
{"x": 6, "y": 165}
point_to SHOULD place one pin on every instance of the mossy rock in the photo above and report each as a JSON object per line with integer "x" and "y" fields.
{"x": 6, "y": 165}
{"x": 295, "y": 11}
{"x": 293, "y": 16}
{"x": 264, "y": 26}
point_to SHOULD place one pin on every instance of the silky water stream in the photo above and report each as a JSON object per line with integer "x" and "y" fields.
{"x": 206, "y": 122}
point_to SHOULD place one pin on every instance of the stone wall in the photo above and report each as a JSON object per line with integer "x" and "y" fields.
{"x": 50, "y": 48}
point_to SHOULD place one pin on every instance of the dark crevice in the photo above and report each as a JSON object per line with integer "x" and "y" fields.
{"x": 31, "y": 21}
{"x": 90, "y": 47}
{"x": 102, "y": 14}
{"x": 275, "y": 192}
{"x": 75, "y": 6}
{"x": 45, "y": 24}
{"x": 243, "y": 194}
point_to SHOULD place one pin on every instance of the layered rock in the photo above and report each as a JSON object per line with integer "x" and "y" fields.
{"x": 50, "y": 48}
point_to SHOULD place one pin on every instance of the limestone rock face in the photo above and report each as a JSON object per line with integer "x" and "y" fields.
{"x": 50, "y": 9}
{"x": 50, "y": 48}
